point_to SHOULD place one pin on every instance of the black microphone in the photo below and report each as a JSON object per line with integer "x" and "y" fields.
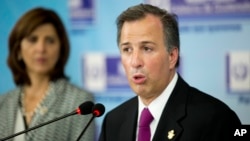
{"x": 84, "y": 109}
{"x": 97, "y": 111}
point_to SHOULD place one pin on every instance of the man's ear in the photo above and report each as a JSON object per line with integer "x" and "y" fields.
{"x": 173, "y": 57}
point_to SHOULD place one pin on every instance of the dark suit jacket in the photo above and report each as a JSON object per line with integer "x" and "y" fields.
{"x": 190, "y": 113}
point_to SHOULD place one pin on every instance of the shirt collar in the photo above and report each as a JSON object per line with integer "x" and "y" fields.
{"x": 157, "y": 105}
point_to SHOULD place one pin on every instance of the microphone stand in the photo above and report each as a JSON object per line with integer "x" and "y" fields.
{"x": 40, "y": 125}
{"x": 83, "y": 131}
{"x": 97, "y": 111}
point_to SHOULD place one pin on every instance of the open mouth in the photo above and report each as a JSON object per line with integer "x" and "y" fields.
{"x": 139, "y": 79}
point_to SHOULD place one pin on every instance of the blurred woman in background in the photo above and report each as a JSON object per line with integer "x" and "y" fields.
{"x": 38, "y": 52}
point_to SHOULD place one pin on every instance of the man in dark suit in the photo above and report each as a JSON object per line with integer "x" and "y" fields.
{"x": 148, "y": 39}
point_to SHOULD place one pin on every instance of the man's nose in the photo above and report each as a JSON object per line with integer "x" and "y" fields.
{"x": 136, "y": 60}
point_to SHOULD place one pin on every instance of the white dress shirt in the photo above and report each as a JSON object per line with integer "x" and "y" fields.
{"x": 156, "y": 106}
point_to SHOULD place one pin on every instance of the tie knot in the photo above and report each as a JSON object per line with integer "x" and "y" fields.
{"x": 146, "y": 118}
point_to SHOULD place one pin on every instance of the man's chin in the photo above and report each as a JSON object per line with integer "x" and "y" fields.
{"x": 139, "y": 90}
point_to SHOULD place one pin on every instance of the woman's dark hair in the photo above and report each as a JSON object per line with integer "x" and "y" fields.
{"x": 168, "y": 20}
{"x": 22, "y": 29}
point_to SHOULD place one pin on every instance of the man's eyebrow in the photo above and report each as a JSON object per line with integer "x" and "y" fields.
{"x": 143, "y": 42}
{"x": 124, "y": 44}
{"x": 147, "y": 42}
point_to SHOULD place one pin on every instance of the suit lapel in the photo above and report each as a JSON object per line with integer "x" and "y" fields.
{"x": 128, "y": 128}
{"x": 169, "y": 128}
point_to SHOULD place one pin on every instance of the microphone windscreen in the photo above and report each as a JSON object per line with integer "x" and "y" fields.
{"x": 98, "y": 110}
{"x": 85, "y": 108}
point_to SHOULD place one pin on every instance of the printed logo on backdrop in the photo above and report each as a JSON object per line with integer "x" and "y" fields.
{"x": 238, "y": 73}
{"x": 82, "y": 13}
{"x": 205, "y": 8}
{"x": 103, "y": 72}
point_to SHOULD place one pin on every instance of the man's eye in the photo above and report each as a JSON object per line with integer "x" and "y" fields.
{"x": 126, "y": 50}
{"x": 147, "y": 49}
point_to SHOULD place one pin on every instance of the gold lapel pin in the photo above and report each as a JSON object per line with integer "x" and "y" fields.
{"x": 171, "y": 134}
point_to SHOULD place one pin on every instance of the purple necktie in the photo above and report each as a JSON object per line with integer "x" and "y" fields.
{"x": 144, "y": 128}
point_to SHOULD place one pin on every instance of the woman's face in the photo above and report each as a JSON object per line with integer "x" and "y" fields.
{"x": 40, "y": 50}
